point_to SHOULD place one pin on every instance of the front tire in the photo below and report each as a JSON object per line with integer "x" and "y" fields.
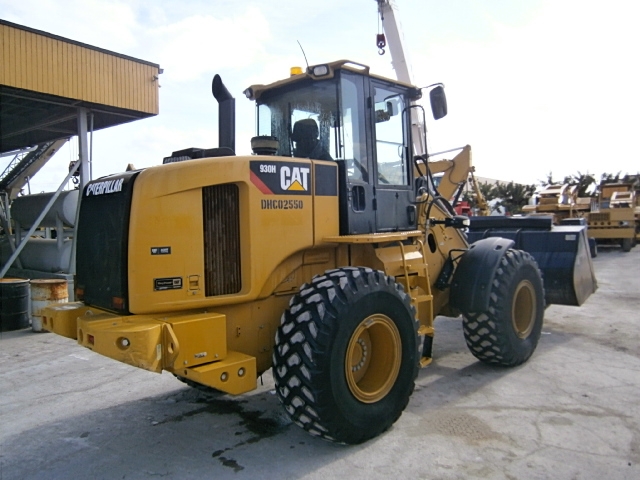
{"x": 508, "y": 332}
{"x": 346, "y": 355}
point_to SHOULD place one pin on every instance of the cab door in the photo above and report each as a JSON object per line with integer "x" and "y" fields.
{"x": 392, "y": 175}
{"x": 354, "y": 146}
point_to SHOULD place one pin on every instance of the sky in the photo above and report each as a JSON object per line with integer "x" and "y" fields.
{"x": 536, "y": 87}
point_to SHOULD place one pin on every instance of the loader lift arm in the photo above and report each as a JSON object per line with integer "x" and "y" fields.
{"x": 456, "y": 173}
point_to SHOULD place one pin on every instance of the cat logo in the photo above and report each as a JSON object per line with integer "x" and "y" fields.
{"x": 281, "y": 178}
{"x": 294, "y": 178}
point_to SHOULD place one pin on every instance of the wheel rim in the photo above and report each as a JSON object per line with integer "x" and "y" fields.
{"x": 523, "y": 311}
{"x": 372, "y": 360}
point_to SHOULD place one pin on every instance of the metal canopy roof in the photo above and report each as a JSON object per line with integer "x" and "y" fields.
{"x": 30, "y": 118}
{"x": 45, "y": 78}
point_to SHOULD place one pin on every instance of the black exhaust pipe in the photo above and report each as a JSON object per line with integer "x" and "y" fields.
{"x": 226, "y": 114}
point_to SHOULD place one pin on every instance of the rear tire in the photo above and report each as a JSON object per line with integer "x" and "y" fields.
{"x": 346, "y": 355}
{"x": 508, "y": 332}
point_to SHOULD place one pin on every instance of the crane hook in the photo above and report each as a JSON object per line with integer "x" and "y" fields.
{"x": 381, "y": 42}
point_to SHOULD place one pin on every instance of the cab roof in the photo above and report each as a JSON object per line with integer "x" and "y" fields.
{"x": 322, "y": 72}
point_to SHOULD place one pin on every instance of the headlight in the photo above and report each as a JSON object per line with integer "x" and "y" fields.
{"x": 320, "y": 70}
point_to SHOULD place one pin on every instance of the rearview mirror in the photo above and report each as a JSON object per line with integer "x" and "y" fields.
{"x": 386, "y": 110}
{"x": 438, "y": 102}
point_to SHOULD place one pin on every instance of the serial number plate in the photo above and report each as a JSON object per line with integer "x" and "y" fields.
{"x": 171, "y": 283}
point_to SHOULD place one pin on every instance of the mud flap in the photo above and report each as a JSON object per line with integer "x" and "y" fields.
{"x": 562, "y": 253}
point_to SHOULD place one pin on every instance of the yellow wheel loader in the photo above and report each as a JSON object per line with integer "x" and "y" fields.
{"x": 613, "y": 221}
{"x": 323, "y": 256}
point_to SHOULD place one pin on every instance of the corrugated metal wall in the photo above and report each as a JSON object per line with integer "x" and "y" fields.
{"x": 46, "y": 64}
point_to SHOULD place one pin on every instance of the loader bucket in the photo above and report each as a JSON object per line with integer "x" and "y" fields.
{"x": 562, "y": 253}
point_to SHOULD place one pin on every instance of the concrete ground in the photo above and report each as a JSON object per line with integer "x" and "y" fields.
{"x": 571, "y": 412}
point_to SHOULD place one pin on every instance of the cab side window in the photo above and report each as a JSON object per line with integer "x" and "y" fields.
{"x": 391, "y": 164}
{"x": 353, "y": 134}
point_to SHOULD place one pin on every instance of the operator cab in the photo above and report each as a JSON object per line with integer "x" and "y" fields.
{"x": 340, "y": 112}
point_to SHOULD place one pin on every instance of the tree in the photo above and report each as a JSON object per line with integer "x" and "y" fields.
{"x": 486, "y": 189}
{"x": 548, "y": 181}
{"x": 587, "y": 185}
{"x": 610, "y": 178}
{"x": 513, "y": 196}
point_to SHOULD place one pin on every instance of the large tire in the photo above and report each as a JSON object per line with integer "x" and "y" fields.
{"x": 626, "y": 244}
{"x": 508, "y": 332}
{"x": 346, "y": 355}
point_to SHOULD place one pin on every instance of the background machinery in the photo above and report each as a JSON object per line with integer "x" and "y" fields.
{"x": 611, "y": 216}
{"x": 217, "y": 267}
{"x": 613, "y": 219}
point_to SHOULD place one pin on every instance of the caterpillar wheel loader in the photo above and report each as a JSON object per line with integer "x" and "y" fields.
{"x": 325, "y": 255}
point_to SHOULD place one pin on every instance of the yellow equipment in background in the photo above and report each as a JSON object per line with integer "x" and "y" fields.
{"x": 611, "y": 217}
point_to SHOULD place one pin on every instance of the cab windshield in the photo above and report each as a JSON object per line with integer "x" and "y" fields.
{"x": 300, "y": 114}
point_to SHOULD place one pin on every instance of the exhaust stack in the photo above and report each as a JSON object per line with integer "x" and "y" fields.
{"x": 226, "y": 114}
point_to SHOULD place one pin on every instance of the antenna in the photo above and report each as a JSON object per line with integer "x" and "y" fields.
{"x": 305, "y": 56}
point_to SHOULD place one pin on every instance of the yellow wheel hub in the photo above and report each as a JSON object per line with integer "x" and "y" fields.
{"x": 373, "y": 358}
{"x": 523, "y": 309}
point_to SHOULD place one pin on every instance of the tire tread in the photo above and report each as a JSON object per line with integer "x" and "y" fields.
{"x": 305, "y": 333}
{"x": 487, "y": 333}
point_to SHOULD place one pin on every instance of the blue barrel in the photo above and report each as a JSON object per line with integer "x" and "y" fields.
{"x": 14, "y": 304}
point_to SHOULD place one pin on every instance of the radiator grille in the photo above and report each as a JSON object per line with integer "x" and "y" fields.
{"x": 599, "y": 217}
{"x": 220, "y": 207}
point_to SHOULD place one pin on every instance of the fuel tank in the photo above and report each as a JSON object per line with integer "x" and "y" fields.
{"x": 26, "y": 209}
